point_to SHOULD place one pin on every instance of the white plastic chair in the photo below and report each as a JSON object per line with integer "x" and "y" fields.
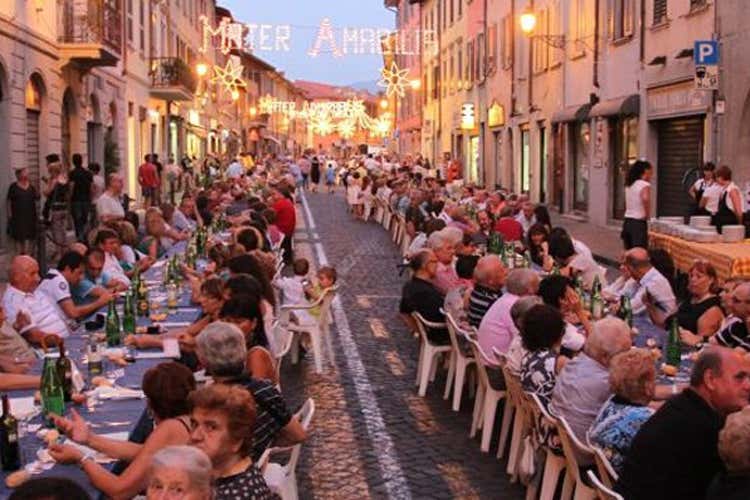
{"x": 428, "y": 352}
{"x": 509, "y": 410}
{"x": 487, "y": 399}
{"x": 554, "y": 464}
{"x": 573, "y": 449}
{"x": 317, "y": 331}
{"x": 459, "y": 362}
{"x": 602, "y": 492}
{"x": 604, "y": 468}
{"x": 282, "y": 479}
{"x": 514, "y": 412}
{"x": 284, "y": 339}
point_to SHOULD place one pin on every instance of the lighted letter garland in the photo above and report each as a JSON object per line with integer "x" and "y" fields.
{"x": 394, "y": 80}
{"x": 325, "y": 34}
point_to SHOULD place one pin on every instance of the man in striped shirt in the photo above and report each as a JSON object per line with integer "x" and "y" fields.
{"x": 489, "y": 278}
{"x": 735, "y": 334}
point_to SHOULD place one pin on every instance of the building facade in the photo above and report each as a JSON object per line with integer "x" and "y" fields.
{"x": 562, "y": 109}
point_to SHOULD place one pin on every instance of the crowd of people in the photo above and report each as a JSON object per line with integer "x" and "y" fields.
{"x": 529, "y": 309}
{"x": 200, "y": 440}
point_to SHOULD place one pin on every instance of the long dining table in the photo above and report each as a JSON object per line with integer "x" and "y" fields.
{"x": 112, "y": 417}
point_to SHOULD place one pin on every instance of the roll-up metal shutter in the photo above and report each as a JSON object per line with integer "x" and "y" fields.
{"x": 680, "y": 150}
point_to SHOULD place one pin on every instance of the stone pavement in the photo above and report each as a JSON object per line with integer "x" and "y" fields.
{"x": 372, "y": 436}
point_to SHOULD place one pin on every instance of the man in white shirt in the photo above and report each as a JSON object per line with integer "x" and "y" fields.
{"x": 22, "y": 298}
{"x": 370, "y": 163}
{"x": 496, "y": 331}
{"x": 57, "y": 283}
{"x": 184, "y": 217}
{"x": 649, "y": 281}
{"x": 235, "y": 169}
{"x": 109, "y": 205}
{"x": 526, "y": 216}
{"x": 107, "y": 241}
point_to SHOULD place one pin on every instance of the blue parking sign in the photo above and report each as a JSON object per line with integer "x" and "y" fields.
{"x": 706, "y": 52}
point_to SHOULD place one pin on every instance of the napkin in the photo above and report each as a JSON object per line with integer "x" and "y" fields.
{"x": 117, "y": 393}
{"x": 23, "y": 408}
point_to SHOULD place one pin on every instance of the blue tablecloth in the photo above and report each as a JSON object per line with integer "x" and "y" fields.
{"x": 647, "y": 330}
{"x": 106, "y": 411}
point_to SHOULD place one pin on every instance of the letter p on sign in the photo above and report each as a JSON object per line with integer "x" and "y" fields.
{"x": 706, "y": 52}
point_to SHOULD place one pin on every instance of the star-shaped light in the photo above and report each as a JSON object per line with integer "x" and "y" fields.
{"x": 230, "y": 76}
{"x": 394, "y": 80}
{"x": 322, "y": 125}
{"x": 346, "y": 129}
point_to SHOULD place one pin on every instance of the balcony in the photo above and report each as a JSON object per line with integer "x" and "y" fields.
{"x": 172, "y": 79}
{"x": 90, "y": 32}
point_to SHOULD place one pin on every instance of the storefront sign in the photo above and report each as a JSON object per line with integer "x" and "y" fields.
{"x": 677, "y": 100}
{"x": 495, "y": 115}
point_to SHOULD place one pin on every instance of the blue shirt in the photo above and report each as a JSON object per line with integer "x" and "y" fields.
{"x": 82, "y": 291}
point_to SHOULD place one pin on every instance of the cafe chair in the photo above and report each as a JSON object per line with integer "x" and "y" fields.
{"x": 318, "y": 330}
{"x": 459, "y": 361}
{"x": 515, "y": 412}
{"x": 575, "y": 453}
{"x": 604, "y": 467}
{"x": 487, "y": 399}
{"x": 542, "y": 422}
{"x": 282, "y": 479}
{"x": 428, "y": 353}
{"x": 602, "y": 492}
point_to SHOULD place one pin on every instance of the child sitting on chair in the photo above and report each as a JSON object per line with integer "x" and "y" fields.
{"x": 293, "y": 289}
{"x": 326, "y": 279}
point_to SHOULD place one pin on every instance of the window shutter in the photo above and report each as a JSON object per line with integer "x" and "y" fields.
{"x": 660, "y": 11}
{"x": 628, "y": 17}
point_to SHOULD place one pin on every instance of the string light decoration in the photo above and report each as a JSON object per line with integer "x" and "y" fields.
{"x": 382, "y": 125}
{"x": 322, "y": 125}
{"x": 346, "y": 129}
{"x": 394, "y": 80}
{"x": 230, "y": 76}
{"x": 325, "y": 34}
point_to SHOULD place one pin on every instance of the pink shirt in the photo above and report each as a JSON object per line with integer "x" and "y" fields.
{"x": 497, "y": 328}
{"x": 446, "y": 278}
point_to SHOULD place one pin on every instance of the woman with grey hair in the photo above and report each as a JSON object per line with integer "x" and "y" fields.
{"x": 221, "y": 349}
{"x": 180, "y": 472}
{"x": 734, "y": 450}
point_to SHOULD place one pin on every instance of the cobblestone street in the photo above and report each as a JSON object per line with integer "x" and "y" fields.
{"x": 372, "y": 436}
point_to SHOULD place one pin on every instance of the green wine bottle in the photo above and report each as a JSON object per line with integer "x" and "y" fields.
{"x": 53, "y": 399}
{"x": 128, "y": 315}
{"x": 673, "y": 351}
{"x": 65, "y": 372}
{"x": 112, "y": 326}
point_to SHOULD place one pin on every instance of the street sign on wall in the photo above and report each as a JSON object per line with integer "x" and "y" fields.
{"x": 706, "y": 58}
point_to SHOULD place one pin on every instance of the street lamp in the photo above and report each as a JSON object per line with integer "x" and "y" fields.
{"x": 384, "y": 103}
{"x": 528, "y": 22}
{"x": 201, "y": 68}
{"x": 416, "y": 84}
{"x": 235, "y": 95}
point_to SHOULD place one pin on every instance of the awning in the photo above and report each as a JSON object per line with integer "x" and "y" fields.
{"x": 572, "y": 114}
{"x": 623, "y": 106}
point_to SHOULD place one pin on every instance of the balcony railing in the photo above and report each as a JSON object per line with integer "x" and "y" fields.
{"x": 92, "y": 22}
{"x": 172, "y": 78}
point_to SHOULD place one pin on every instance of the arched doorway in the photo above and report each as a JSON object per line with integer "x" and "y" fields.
{"x": 94, "y": 132}
{"x": 67, "y": 125}
{"x": 33, "y": 97}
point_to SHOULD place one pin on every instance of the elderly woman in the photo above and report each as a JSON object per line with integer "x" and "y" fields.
{"x": 166, "y": 387}
{"x": 180, "y": 472}
{"x": 541, "y": 335}
{"x": 223, "y": 419}
{"x": 222, "y": 350}
{"x": 443, "y": 244}
{"x": 734, "y": 450}
{"x": 700, "y": 316}
{"x": 421, "y": 295}
{"x": 632, "y": 378}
